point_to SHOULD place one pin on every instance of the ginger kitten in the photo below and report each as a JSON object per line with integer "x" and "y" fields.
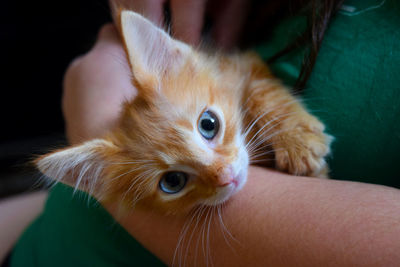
{"x": 197, "y": 123}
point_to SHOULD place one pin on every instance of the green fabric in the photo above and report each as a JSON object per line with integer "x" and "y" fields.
{"x": 76, "y": 231}
{"x": 354, "y": 89}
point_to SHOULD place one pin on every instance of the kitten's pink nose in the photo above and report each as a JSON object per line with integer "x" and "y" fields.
{"x": 225, "y": 178}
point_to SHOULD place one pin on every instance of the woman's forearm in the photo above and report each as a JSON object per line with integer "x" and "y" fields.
{"x": 281, "y": 220}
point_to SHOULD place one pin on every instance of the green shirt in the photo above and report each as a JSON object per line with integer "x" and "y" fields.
{"x": 75, "y": 230}
{"x": 354, "y": 90}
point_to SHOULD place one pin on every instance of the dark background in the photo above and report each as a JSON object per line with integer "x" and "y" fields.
{"x": 38, "y": 39}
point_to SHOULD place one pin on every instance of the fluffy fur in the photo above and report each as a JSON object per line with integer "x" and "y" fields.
{"x": 260, "y": 122}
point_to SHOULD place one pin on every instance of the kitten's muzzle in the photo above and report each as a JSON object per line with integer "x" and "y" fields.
{"x": 225, "y": 177}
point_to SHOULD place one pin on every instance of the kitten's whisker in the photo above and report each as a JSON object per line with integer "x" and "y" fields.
{"x": 258, "y": 117}
{"x": 180, "y": 238}
{"x": 133, "y": 162}
{"x": 261, "y": 161}
{"x": 220, "y": 213}
{"x": 263, "y": 138}
{"x": 259, "y": 130}
{"x": 136, "y": 160}
{"x": 268, "y": 129}
{"x": 259, "y": 138}
{"x": 208, "y": 252}
{"x": 275, "y": 133}
{"x": 254, "y": 121}
{"x": 182, "y": 235}
{"x": 203, "y": 235}
{"x": 137, "y": 180}
{"x": 266, "y": 139}
{"x": 250, "y": 97}
{"x": 256, "y": 156}
{"x": 222, "y": 228}
{"x": 271, "y": 109}
{"x": 82, "y": 173}
{"x": 261, "y": 88}
{"x": 138, "y": 193}
{"x": 209, "y": 256}
{"x": 244, "y": 111}
{"x": 199, "y": 234}
{"x": 261, "y": 147}
{"x": 93, "y": 182}
{"x": 128, "y": 172}
{"x": 191, "y": 235}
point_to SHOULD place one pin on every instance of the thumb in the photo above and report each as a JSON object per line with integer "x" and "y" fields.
{"x": 107, "y": 35}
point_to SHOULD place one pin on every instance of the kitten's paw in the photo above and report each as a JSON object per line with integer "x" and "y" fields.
{"x": 301, "y": 150}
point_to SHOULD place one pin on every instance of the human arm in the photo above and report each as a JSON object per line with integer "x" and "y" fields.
{"x": 281, "y": 220}
{"x": 16, "y": 214}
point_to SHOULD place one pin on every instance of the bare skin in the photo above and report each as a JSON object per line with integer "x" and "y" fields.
{"x": 281, "y": 220}
{"x": 16, "y": 214}
{"x": 278, "y": 220}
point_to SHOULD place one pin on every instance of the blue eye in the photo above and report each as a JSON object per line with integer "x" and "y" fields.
{"x": 208, "y": 125}
{"x": 173, "y": 182}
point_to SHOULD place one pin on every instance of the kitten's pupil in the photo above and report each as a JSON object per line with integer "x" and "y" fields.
{"x": 173, "y": 182}
{"x": 173, "y": 179}
{"x": 208, "y": 125}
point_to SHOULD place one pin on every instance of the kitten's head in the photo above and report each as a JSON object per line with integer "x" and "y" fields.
{"x": 179, "y": 142}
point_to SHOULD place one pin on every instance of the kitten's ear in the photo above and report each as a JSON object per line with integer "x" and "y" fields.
{"x": 80, "y": 166}
{"x": 150, "y": 49}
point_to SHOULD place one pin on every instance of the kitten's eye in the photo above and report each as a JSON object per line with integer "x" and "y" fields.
{"x": 173, "y": 182}
{"x": 208, "y": 125}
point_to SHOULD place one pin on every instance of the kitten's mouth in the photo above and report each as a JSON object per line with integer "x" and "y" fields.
{"x": 235, "y": 182}
{"x": 228, "y": 190}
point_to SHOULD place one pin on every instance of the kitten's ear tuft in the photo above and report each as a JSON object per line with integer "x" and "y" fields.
{"x": 151, "y": 51}
{"x": 80, "y": 166}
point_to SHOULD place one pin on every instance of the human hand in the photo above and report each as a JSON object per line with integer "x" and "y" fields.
{"x": 95, "y": 86}
{"x": 187, "y": 17}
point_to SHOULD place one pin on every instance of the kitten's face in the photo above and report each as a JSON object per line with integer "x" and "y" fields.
{"x": 179, "y": 142}
{"x": 186, "y": 138}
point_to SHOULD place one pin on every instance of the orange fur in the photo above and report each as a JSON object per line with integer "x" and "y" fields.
{"x": 158, "y": 130}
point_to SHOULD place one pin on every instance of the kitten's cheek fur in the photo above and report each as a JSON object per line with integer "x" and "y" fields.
{"x": 241, "y": 180}
{"x": 241, "y": 170}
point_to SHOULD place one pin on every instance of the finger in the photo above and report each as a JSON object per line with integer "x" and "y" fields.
{"x": 229, "y": 21}
{"x": 151, "y": 9}
{"x": 108, "y": 33}
{"x": 187, "y": 19}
